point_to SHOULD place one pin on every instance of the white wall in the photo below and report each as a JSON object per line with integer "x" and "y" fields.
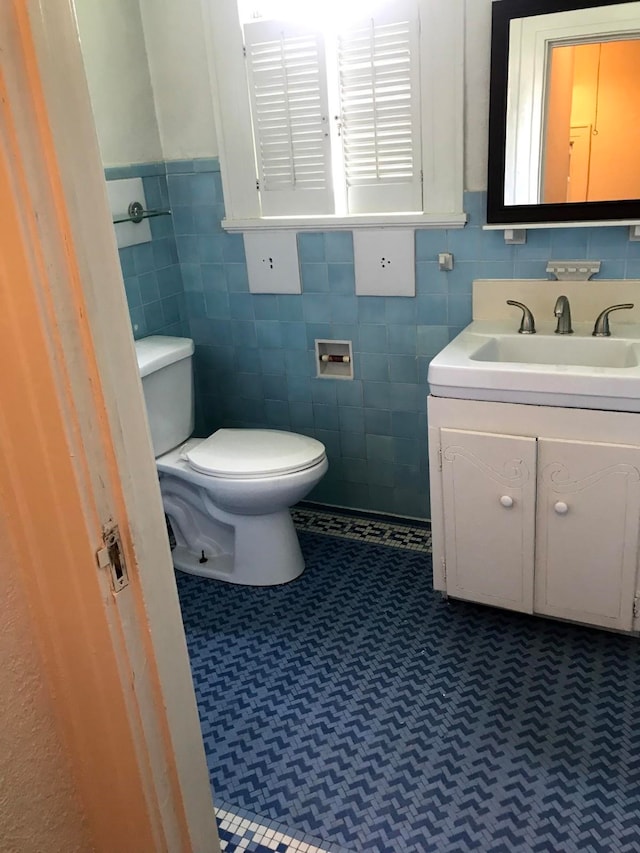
{"x": 476, "y": 92}
{"x": 115, "y": 58}
{"x": 175, "y": 43}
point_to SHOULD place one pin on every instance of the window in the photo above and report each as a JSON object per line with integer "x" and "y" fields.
{"x": 351, "y": 121}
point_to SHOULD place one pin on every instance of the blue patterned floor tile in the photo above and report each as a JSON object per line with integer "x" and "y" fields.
{"x": 359, "y": 707}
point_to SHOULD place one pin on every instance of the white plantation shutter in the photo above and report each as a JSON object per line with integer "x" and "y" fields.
{"x": 378, "y": 65}
{"x": 290, "y": 116}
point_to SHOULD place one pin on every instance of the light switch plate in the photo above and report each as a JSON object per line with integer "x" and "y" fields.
{"x": 384, "y": 262}
{"x": 272, "y": 261}
{"x": 121, "y": 193}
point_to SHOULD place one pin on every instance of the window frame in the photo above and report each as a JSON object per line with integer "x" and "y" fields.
{"x": 442, "y": 118}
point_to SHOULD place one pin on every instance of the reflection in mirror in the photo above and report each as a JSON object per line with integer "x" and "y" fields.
{"x": 592, "y": 128}
{"x": 565, "y": 111}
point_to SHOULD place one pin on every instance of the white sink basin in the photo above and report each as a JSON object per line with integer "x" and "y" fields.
{"x": 559, "y": 349}
{"x": 491, "y": 361}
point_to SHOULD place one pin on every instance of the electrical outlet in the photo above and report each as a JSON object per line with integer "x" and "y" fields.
{"x": 445, "y": 261}
{"x": 384, "y": 262}
{"x": 272, "y": 262}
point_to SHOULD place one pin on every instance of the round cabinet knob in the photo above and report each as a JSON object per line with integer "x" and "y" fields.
{"x": 506, "y": 500}
{"x": 561, "y": 508}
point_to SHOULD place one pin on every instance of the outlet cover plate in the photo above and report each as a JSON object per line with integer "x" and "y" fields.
{"x": 384, "y": 262}
{"x": 272, "y": 262}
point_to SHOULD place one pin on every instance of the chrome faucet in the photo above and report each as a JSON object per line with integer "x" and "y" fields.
{"x": 563, "y": 313}
{"x": 601, "y": 328}
{"x": 527, "y": 324}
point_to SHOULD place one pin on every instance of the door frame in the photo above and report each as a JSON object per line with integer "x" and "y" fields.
{"x": 131, "y": 641}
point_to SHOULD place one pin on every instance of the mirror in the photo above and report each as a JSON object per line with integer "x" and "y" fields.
{"x": 564, "y": 118}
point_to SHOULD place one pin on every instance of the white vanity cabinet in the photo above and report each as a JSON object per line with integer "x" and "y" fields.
{"x": 489, "y": 502}
{"x": 537, "y": 508}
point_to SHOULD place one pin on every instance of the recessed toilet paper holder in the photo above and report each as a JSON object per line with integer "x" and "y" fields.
{"x": 334, "y": 359}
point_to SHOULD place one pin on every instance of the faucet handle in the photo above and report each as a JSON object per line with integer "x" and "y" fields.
{"x": 601, "y": 328}
{"x": 527, "y": 324}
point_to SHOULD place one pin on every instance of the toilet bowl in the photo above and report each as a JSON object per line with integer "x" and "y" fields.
{"x": 227, "y": 496}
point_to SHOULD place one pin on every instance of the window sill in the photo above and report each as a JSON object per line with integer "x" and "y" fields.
{"x": 347, "y": 223}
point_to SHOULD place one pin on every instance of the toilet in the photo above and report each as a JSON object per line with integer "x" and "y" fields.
{"x": 227, "y": 496}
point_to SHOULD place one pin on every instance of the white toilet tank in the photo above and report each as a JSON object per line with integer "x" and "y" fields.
{"x": 167, "y": 381}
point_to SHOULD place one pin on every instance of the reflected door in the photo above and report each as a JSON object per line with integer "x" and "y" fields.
{"x": 579, "y": 159}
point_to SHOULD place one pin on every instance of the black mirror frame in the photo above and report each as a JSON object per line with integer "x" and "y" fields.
{"x": 503, "y": 11}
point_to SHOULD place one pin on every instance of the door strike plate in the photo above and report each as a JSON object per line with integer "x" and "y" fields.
{"x": 111, "y": 556}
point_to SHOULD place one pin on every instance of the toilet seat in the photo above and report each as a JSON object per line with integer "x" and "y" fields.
{"x": 246, "y": 453}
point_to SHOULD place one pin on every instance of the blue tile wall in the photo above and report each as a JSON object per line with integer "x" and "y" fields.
{"x": 254, "y": 353}
{"x": 151, "y": 271}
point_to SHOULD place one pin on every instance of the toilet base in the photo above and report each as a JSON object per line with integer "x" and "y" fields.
{"x": 241, "y": 527}
{"x": 218, "y": 567}
{"x": 266, "y": 552}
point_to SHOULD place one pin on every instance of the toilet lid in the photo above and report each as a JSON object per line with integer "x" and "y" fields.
{"x": 254, "y": 452}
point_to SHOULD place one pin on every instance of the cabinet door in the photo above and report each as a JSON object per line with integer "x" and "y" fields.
{"x": 489, "y": 486}
{"x": 587, "y": 531}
